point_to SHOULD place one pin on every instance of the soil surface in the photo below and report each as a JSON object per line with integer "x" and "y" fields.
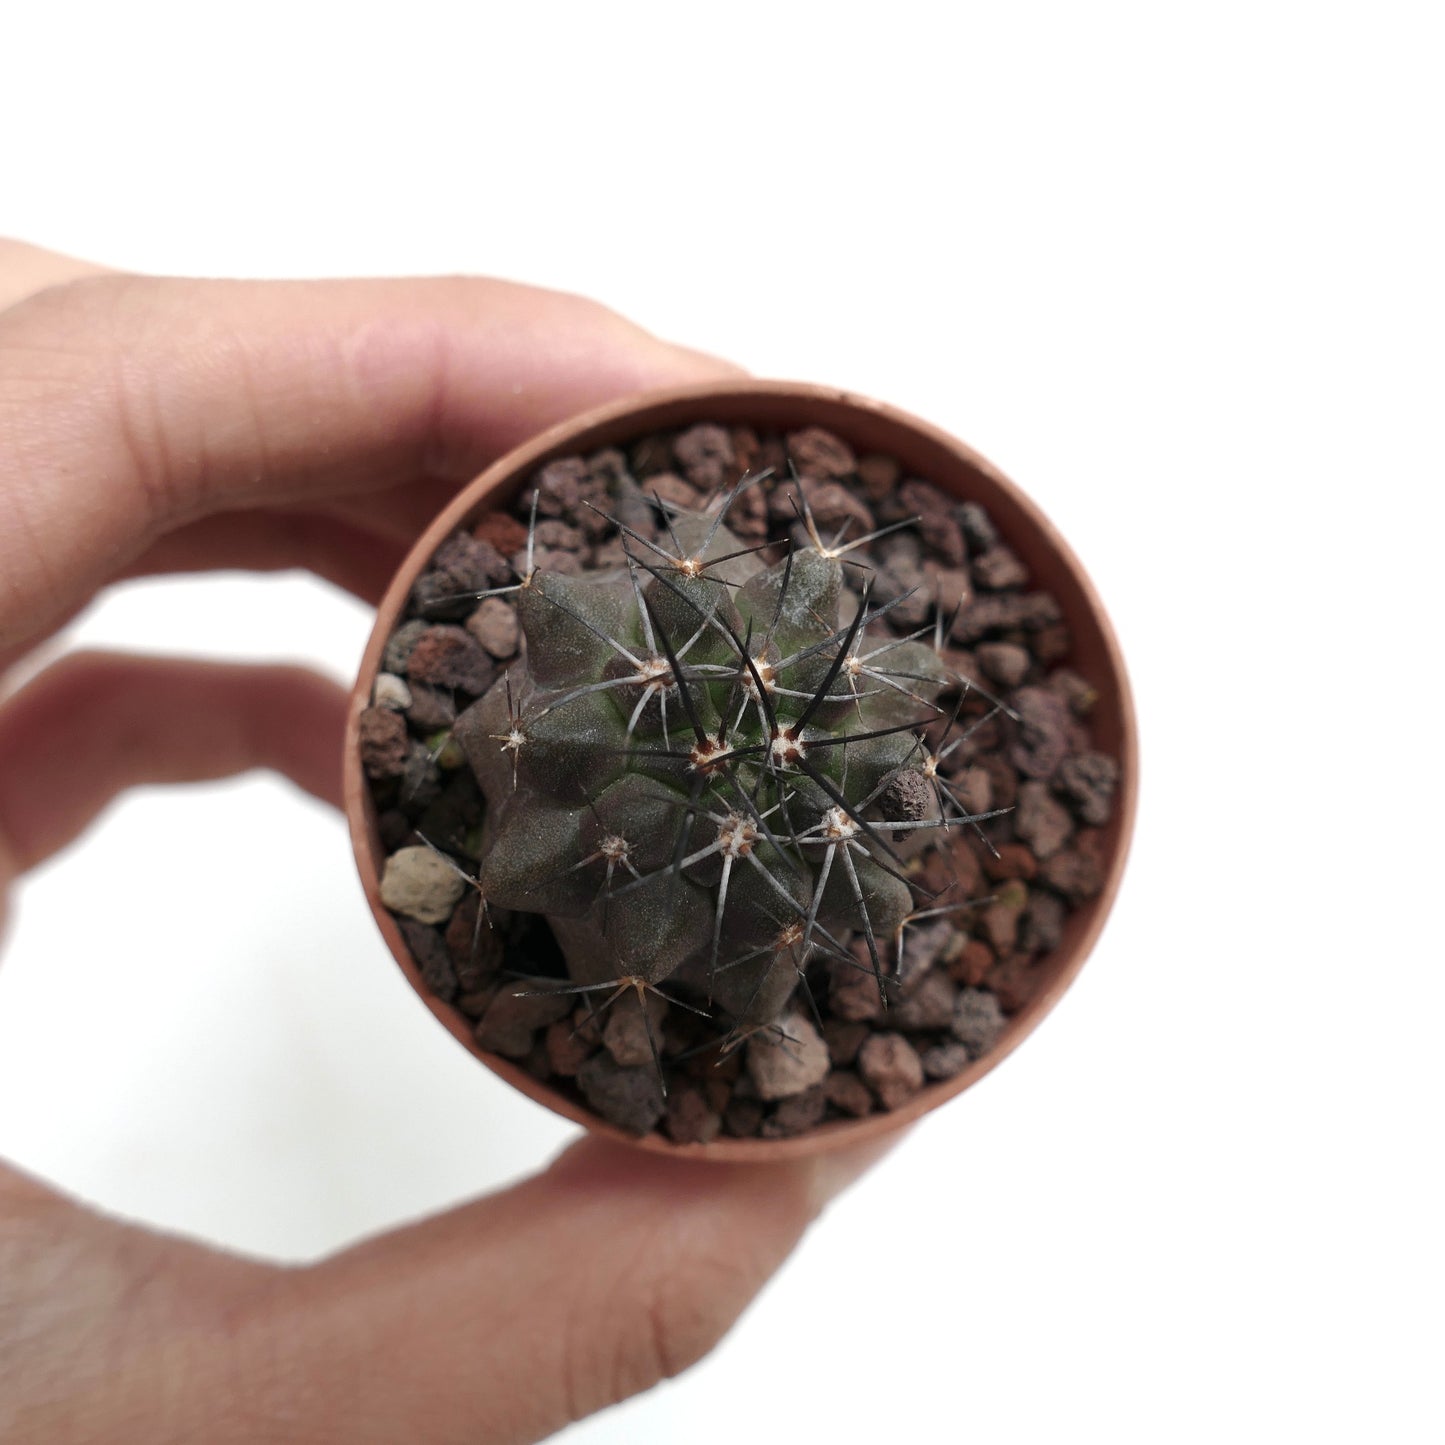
{"x": 845, "y": 1050}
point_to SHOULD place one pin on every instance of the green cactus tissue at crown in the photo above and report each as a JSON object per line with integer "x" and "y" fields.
{"x": 704, "y": 772}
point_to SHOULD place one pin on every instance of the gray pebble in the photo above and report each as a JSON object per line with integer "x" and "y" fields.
{"x": 421, "y": 884}
{"x": 494, "y": 624}
{"x": 977, "y": 1020}
{"x": 782, "y": 1067}
{"x": 1041, "y": 820}
{"x": 400, "y": 644}
{"x": 631, "y": 1098}
{"x": 890, "y": 1066}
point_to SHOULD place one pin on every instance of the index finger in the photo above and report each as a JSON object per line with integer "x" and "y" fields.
{"x": 130, "y": 406}
{"x": 26, "y": 269}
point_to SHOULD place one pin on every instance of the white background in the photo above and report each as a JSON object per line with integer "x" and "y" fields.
{"x": 1178, "y": 271}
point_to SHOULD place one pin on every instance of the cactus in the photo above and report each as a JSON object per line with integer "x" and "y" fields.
{"x": 705, "y": 771}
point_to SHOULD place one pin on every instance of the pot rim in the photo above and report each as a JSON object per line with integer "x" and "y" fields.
{"x": 909, "y": 439}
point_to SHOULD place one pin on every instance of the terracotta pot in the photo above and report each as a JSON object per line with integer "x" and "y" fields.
{"x": 923, "y": 451}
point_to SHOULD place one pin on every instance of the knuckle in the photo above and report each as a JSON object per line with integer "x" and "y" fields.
{"x": 661, "y": 1316}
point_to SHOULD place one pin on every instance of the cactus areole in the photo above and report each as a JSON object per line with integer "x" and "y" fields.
{"x": 706, "y": 771}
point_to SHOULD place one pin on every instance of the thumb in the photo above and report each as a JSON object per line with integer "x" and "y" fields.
{"x": 508, "y": 1318}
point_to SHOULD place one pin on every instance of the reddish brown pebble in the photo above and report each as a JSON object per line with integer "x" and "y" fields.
{"x": 501, "y": 531}
{"x": 474, "y": 1005}
{"x": 1051, "y": 644}
{"x": 901, "y": 576}
{"x": 1077, "y": 871}
{"x": 461, "y": 568}
{"x": 943, "y": 538}
{"x": 1005, "y": 663}
{"x": 713, "y": 1063}
{"x": 948, "y": 586}
{"x": 395, "y": 830}
{"x": 994, "y": 612}
{"x": 559, "y": 487}
{"x": 566, "y": 1049}
{"x": 706, "y": 455}
{"x": 984, "y": 733}
{"x": 671, "y": 488}
{"x": 890, "y": 1066}
{"x": 1014, "y": 980}
{"x": 748, "y": 518}
{"x": 588, "y": 1023}
{"x": 818, "y": 453}
{"x": 554, "y": 559}
{"x": 972, "y": 964}
{"x": 383, "y": 742}
{"x": 432, "y": 959}
{"x": 690, "y": 1118}
{"x": 853, "y": 992}
{"x": 718, "y": 1092}
{"x": 537, "y": 1063}
{"x": 833, "y": 506}
{"x": 796, "y": 1115}
{"x": 974, "y": 790}
{"x": 472, "y": 562}
{"x": 844, "y": 1039}
{"x": 1044, "y": 729}
{"x": 1009, "y": 860}
{"x": 978, "y": 528}
{"x": 999, "y": 922}
{"x": 1087, "y": 782}
{"x": 1043, "y": 822}
{"x": 745, "y": 448}
{"x": 1042, "y": 925}
{"x": 924, "y": 499}
{"x": 447, "y": 656}
{"x": 999, "y": 568}
{"x": 553, "y": 533}
{"x": 1003, "y": 780}
{"x": 742, "y": 1117}
{"x": 1078, "y": 694}
{"x": 930, "y": 874}
{"x": 650, "y": 454}
{"x": 879, "y": 475}
{"x": 847, "y": 1093}
{"x": 475, "y": 949}
{"x": 606, "y": 468}
{"x": 508, "y": 1025}
{"x": 966, "y": 872}
{"x": 432, "y": 708}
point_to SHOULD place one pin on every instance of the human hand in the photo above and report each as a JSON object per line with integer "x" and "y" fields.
{"x": 152, "y": 426}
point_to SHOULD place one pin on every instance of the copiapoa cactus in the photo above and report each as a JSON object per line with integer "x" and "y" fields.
{"x": 707, "y": 770}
